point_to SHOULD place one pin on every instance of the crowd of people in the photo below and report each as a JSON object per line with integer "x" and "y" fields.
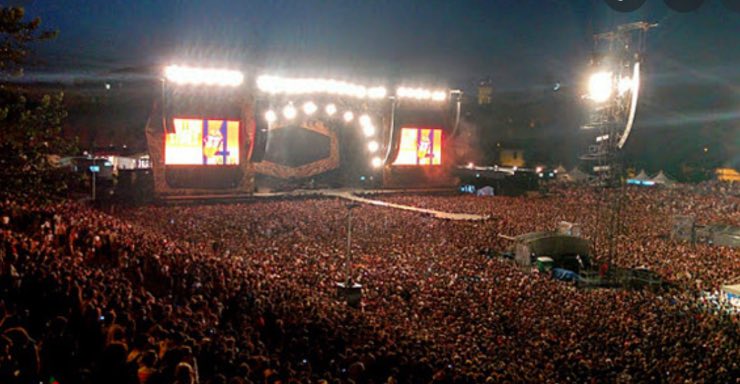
{"x": 647, "y": 218}
{"x": 246, "y": 293}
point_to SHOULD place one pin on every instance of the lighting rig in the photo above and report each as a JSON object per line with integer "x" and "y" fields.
{"x": 343, "y": 105}
{"x": 346, "y": 112}
{"x": 612, "y": 92}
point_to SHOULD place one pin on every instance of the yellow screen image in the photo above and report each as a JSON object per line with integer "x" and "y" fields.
{"x": 202, "y": 142}
{"x": 420, "y": 146}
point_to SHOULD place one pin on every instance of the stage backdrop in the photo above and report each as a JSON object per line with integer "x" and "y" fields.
{"x": 299, "y": 151}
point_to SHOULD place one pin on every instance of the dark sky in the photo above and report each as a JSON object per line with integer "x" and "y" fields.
{"x": 520, "y": 43}
{"x": 691, "y": 96}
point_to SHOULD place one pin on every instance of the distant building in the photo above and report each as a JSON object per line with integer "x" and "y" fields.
{"x": 512, "y": 157}
{"x": 485, "y": 92}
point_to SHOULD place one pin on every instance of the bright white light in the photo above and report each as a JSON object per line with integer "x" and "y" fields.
{"x": 377, "y": 162}
{"x": 348, "y": 116}
{"x": 203, "y": 76}
{"x": 331, "y": 109}
{"x": 368, "y": 130}
{"x": 309, "y": 108}
{"x": 624, "y": 85}
{"x": 270, "y": 116}
{"x": 289, "y": 111}
{"x": 421, "y": 94}
{"x": 365, "y": 120}
{"x": 373, "y": 146}
{"x": 471, "y": 165}
{"x": 297, "y": 86}
{"x": 439, "y": 95}
{"x": 376, "y": 92}
{"x": 538, "y": 169}
{"x": 600, "y": 86}
{"x": 515, "y": 168}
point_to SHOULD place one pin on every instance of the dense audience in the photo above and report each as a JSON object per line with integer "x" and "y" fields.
{"x": 245, "y": 293}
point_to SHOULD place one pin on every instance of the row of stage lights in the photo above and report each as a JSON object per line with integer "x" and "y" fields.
{"x": 274, "y": 85}
{"x": 310, "y": 108}
{"x": 184, "y": 75}
{"x": 288, "y": 86}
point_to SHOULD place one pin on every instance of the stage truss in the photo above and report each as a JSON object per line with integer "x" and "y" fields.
{"x": 620, "y": 54}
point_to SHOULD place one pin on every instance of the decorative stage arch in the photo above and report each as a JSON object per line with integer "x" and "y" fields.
{"x": 282, "y": 171}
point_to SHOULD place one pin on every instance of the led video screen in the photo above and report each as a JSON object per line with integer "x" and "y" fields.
{"x": 420, "y": 146}
{"x": 202, "y": 142}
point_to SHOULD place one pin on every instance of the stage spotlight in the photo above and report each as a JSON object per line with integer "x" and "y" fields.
{"x": 377, "y": 162}
{"x": 368, "y": 130}
{"x": 373, "y": 146}
{"x": 365, "y": 120}
{"x": 289, "y": 111}
{"x": 439, "y": 95}
{"x": 624, "y": 85}
{"x": 376, "y": 92}
{"x": 331, "y": 109}
{"x": 270, "y": 116}
{"x": 269, "y": 84}
{"x": 600, "y": 86}
{"x": 203, "y": 76}
{"x": 298, "y": 86}
{"x": 348, "y": 116}
{"x": 421, "y": 94}
{"x": 309, "y": 108}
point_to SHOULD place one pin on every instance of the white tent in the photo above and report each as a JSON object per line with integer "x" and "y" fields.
{"x": 576, "y": 175}
{"x": 642, "y": 176}
{"x": 485, "y": 191}
{"x": 661, "y": 178}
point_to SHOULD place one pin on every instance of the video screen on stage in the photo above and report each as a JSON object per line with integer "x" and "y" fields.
{"x": 202, "y": 142}
{"x": 420, "y": 146}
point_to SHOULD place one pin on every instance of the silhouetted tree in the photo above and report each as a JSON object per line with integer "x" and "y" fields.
{"x": 30, "y": 131}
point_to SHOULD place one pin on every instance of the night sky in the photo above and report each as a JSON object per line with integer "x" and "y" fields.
{"x": 519, "y": 43}
{"x": 522, "y": 45}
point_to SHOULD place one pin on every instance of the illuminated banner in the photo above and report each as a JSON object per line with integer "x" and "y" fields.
{"x": 202, "y": 142}
{"x": 420, "y": 146}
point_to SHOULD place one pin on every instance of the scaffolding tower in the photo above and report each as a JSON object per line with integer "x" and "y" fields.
{"x": 618, "y": 53}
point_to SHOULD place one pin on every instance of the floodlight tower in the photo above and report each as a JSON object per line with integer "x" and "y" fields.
{"x": 613, "y": 91}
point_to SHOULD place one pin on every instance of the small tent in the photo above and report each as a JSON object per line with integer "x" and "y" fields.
{"x": 485, "y": 191}
{"x": 662, "y": 179}
{"x": 576, "y": 175}
{"x": 560, "y": 170}
{"x": 642, "y": 176}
